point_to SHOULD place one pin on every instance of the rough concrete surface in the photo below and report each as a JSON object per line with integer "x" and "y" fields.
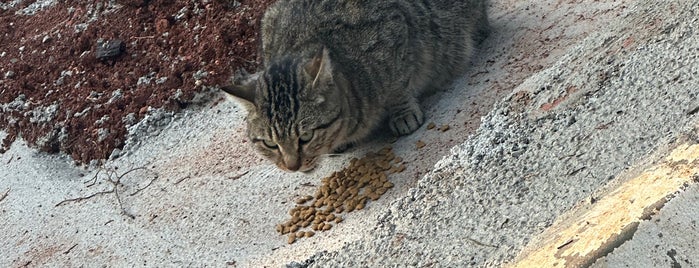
{"x": 669, "y": 239}
{"x": 572, "y": 95}
{"x": 611, "y": 216}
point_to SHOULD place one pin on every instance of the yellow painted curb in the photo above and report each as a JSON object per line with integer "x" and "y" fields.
{"x": 579, "y": 241}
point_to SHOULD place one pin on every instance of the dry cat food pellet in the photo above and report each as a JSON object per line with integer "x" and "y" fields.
{"x": 327, "y": 227}
{"x": 444, "y": 128}
{"x": 344, "y": 191}
{"x": 419, "y": 144}
{"x": 431, "y": 126}
{"x": 304, "y": 199}
{"x": 292, "y": 238}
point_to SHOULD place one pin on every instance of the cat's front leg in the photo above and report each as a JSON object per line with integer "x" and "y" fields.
{"x": 405, "y": 117}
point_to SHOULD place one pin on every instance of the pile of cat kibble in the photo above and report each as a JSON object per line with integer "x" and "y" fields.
{"x": 344, "y": 191}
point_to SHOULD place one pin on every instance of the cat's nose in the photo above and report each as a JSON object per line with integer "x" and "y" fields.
{"x": 293, "y": 164}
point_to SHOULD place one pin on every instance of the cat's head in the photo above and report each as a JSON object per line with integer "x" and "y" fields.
{"x": 295, "y": 113}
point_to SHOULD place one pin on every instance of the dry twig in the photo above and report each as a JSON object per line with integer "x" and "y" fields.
{"x": 3, "y": 196}
{"x": 71, "y": 248}
{"x": 115, "y": 179}
{"x": 239, "y": 175}
{"x": 565, "y": 244}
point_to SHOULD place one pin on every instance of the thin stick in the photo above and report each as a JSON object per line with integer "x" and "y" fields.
{"x": 133, "y": 169}
{"x": 2, "y": 197}
{"x": 115, "y": 179}
{"x": 94, "y": 178}
{"x": 121, "y": 206}
{"x": 144, "y": 187}
{"x": 239, "y": 175}
{"x": 80, "y": 199}
{"x": 71, "y": 248}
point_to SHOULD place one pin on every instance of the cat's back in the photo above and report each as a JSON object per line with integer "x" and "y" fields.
{"x": 298, "y": 25}
{"x": 293, "y": 25}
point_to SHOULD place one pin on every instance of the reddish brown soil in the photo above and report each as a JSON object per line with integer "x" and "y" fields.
{"x": 58, "y": 96}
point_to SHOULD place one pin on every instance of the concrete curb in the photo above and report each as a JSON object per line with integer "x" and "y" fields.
{"x": 608, "y": 221}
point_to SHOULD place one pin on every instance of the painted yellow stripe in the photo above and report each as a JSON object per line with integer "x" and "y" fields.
{"x": 581, "y": 240}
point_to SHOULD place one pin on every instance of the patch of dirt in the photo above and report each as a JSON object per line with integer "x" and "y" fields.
{"x": 74, "y": 75}
{"x": 219, "y": 157}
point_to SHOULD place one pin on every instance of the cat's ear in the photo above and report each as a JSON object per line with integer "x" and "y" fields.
{"x": 320, "y": 68}
{"x": 242, "y": 86}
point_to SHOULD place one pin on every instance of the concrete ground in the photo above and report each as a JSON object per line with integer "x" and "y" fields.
{"x": 573, "y": 141}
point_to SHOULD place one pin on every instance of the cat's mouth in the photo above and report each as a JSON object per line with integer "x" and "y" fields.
{"x": 307, "y": 165}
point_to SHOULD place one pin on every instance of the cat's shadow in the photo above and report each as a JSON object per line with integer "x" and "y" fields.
{"x": 381, "y": 135}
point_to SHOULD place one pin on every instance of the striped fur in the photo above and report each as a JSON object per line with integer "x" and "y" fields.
{"x": 337, "y": 69}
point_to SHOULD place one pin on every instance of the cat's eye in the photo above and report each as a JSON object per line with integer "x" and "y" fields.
{"x": 306, "y": 136}
{"x": 269, "y": 144}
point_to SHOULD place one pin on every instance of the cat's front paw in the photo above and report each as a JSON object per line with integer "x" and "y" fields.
{"x": 406, "y": 121}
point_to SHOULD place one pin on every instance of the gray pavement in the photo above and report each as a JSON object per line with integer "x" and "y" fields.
{"x": 567, "y": 98}
{"x": 669, "y": 239}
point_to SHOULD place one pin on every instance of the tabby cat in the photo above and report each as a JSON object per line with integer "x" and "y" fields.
{"x": 335, "y": 70}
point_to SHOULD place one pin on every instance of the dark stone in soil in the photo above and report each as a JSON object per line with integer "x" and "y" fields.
{"x": 109, "y": 49}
